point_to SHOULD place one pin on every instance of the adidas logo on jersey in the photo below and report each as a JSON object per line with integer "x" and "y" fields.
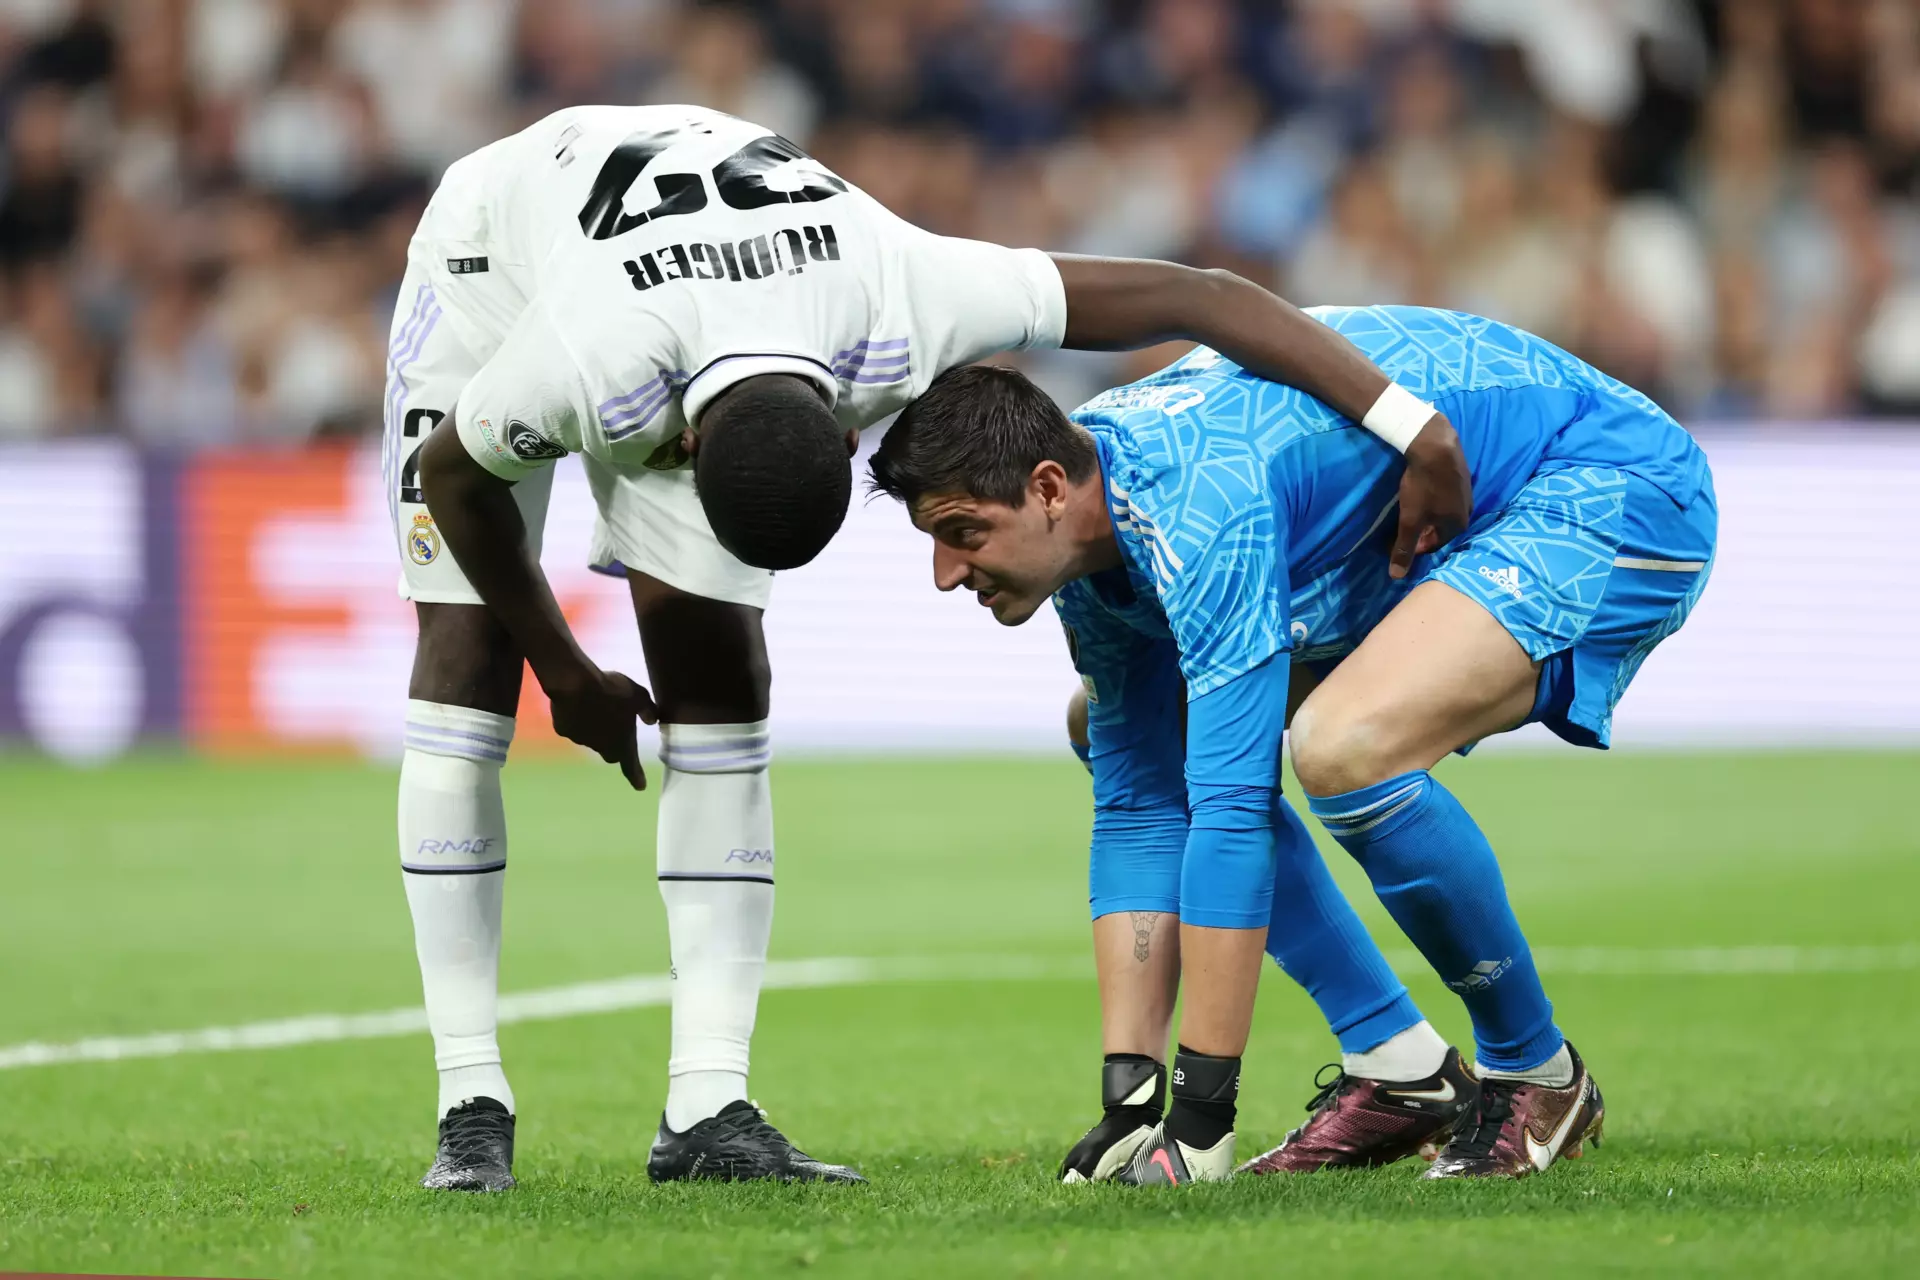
{"x": 1507, "y": 579}
{"x": 760, "y": 258}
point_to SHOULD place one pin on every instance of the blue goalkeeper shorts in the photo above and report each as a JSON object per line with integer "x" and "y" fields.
{"x": 1588, "y": 568}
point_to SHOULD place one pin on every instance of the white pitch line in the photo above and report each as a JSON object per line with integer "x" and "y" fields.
{"x": 641, "y": 991}
{"x": 638, "y": 991}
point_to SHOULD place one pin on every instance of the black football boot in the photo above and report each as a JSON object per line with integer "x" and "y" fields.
{"x": 738, "y": 1145}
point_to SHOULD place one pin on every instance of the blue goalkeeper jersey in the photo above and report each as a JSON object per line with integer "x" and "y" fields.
{"x": 1229, "y": 492}
{"x": 1234, "y": 498}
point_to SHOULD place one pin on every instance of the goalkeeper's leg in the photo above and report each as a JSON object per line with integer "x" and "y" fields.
{"x": 1137, "y": 954}
{"x": 1136, "y": 947}
{"x": 1314, "y": 936}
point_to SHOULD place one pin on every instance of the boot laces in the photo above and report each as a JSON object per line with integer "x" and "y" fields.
{"x": 467, "y": 1137}
{"x": 1475, "y": 1139}
{"x": 1329, "y": 1090}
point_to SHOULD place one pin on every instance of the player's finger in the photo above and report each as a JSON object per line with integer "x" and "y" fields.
{"x": 630, "y": 761}
{"x": 633, "y": 697}
{"x": 1406, "y": 542}
{"x": 643, "y": 705}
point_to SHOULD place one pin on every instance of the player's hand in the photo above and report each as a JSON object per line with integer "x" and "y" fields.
{"x": 1436, "y": 494}
{"x": 597, "y": 709}
{"x": 1108, "y": 1147}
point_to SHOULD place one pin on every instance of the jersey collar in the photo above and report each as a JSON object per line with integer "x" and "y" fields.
{"x": 705, "y": 386}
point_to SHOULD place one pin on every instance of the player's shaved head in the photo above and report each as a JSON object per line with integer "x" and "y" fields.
{"x": 979, "y": 430}
{"x": 772, "y": 471}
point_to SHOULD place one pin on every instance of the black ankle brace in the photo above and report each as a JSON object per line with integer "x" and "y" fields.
{"x": 1206, "y": 1092}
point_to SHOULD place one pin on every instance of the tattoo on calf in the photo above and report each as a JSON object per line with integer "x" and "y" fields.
{"x": 1143, "y": 925}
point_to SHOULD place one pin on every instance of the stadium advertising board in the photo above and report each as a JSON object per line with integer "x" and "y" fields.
{"x": 247, "y": 602}
{"x": 90, "y": 599}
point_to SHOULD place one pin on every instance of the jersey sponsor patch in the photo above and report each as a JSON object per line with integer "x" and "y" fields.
{"x": 494, "y": 443}
{"x": 466, "y": 266}
{"x": 530, "y": 445}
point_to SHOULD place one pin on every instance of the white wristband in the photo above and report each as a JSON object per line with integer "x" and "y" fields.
{"x": 1397, "y": 416}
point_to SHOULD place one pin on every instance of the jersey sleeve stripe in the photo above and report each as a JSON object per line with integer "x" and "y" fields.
{"x": 619, "y": 403}
{"x": 621, "y": 423}
{"x": 646, "y": 388}
{"x": 890, "y": 344}
{"x": 636, "y": 419}
{"x": 866, "y": 362}
{"x": 884, "y": 362}
{"x": 641, "y": 404}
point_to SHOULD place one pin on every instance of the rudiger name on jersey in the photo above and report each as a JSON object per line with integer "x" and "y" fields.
{"x": 787, "y": 250}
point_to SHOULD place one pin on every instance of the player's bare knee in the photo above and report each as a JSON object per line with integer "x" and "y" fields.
{"x": 465, "y": 658}
{"x": 1335, "y": 752}
{"x": 707, "y": 659}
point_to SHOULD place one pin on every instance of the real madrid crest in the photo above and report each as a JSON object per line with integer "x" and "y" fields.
{"x": 423, "y": 540}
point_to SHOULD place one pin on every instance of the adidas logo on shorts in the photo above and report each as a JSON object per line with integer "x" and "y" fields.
{"x": 1507, "y": 579}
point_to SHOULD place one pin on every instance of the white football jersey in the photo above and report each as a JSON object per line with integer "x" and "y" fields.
{"x": 666, "y": 253}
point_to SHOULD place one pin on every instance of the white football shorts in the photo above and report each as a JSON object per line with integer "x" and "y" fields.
{"x": 427, "y": 365}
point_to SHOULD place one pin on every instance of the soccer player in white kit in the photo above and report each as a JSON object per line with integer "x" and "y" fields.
{"x": 709, "y": 316}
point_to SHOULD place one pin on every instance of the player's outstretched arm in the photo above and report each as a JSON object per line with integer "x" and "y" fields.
{"x": 1116, "y": 304}
{"x": 483, "y": 529}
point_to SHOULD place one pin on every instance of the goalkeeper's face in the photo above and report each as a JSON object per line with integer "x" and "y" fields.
{"x": 1011, "y": 557}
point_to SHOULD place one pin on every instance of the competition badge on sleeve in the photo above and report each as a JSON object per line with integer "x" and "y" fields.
{"x": 529, "y": 445}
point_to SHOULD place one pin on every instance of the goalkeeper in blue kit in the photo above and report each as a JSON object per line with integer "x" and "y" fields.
{"x": 1214, "y": 543}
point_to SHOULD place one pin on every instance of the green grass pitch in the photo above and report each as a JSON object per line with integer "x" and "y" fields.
{"x": 1759, "y": 1123}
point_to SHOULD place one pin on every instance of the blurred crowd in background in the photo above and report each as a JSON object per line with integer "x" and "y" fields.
{"x": 205, "y": 204}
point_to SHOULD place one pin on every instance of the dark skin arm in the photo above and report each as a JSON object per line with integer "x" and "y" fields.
{"x": 481, "y": 523}
{"x": 1117, "y": 304}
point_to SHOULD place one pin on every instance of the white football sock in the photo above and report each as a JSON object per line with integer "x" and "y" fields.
{"x": 453, "y": 855}
{"x": 1414, "y": 1054}
{"x": 715, "y": 860}
{"x": 1555, "y": 1073}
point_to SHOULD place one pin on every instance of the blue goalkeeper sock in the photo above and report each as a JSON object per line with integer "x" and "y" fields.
{"x": 1436, "y": 875}
{"x": 1317, "y": 939}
